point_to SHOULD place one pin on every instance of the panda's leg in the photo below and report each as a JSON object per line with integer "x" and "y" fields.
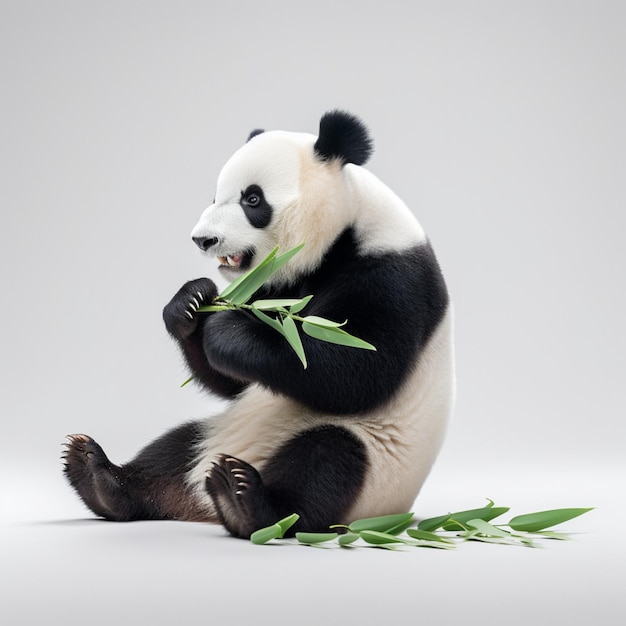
{"x": 317, "y": 474}
{"x": 151, "y": 486}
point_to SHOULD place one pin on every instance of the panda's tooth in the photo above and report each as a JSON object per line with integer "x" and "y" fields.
{"x": 234, "y": 260}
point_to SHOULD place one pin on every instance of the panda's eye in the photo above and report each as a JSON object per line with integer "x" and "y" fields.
{"x": 253, "y": 199}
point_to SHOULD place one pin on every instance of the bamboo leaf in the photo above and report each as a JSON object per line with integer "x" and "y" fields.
{"x": 322, "y": 322}
{"x": 263, "y": 535}
{"x": 214, "y": 308}
{"x": 347, "y": 539}
{"x": 458, "y": 520}
{"x": 488, "y": 530}
{"x": 433, "y": 523}
{"x": 281, "y": 259}
{"x": 270, "y": 321}
{"x": 296, "y": 308}
{"x": 287, "y": 522}
{"x": 400, "y": 528}
{"x": 336, "y": 336}
{"x": 379, "y": 538}
{"x": 380, "y": 523}
{"x": 276, "y": 304}
{"x": 243, "y": 284}
{"x": 533, "y": 522}
{"x": 425, "y": 535}
{"x": 255, "y": 281}
{"x": 244, "y": 287}
{"x": 451, "y": 520}
{"x": 313, "y": 538}
{"x": 293, "y": 337}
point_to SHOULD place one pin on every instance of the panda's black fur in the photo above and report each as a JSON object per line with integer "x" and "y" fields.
{"x": 326, "y": 442}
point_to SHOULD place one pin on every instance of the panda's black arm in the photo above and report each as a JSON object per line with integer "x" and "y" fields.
{"x": 335, "y": 380}
{"x": 393, "y": 302}
{"x": 187, "y": 327}
{"x": 206, "y": 375}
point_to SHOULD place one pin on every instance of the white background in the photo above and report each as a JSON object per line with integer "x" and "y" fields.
{"x": 501, "y": 124}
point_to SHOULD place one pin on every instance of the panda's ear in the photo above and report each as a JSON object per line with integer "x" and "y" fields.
{"x": 254, "y": 133}
{"x": 343, "y": 136}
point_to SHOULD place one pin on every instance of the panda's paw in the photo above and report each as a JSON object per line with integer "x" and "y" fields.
{"x": 181, "y": 313}
{"x": 90, "y": 472}
{"x": 238, "y": 494}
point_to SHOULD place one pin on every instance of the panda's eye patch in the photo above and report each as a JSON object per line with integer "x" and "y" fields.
{"x": 255, "y": 206}
{"x": 252, "y": 196}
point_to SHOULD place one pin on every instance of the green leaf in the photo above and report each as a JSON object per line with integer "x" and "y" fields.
{"x": 187, "y": 381}
{"x": 287, "y": 522}
{"x": 244, "y": 287}
{"x": 255, "y": 281}
{"x": 275, "y": 531}
{"x": 263, "y": 535}
{"x": 488, "y": 530}
{"x": 270, "y": 321}
{"x": 281, "y": 259}
{"x": 533, "y": 522}
{"x": 251, "y": 281}
{"x": 335, "y": 335}
{"x": 322, "y": 322}
{"x": 458, "y": 520}
{"x": 379, "y": 538}
{"x": 214, "y": 308}
{"x": 400, "y": 528}
{"x": 380, "y": 523}
{"x": 425, "y": 535}
{"x": 296, "y": 308}
{"x": 448, "y": 522}
{"x": 347, "y": 538}
{"x": 312, "y": 538}
{"x": 276, "y": 304}
{"x": 293, "y": 337}
{"x": 432, "y": 523}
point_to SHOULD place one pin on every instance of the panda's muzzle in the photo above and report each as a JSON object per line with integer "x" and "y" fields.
{"x": 235, "y": 261}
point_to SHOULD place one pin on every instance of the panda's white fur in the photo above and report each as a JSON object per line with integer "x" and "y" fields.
{"x": 402, "y": 440}
{"x": 372, "y": 456}
{"x": 313, "y": 202}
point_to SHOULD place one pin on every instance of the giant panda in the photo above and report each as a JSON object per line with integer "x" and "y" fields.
{"x": 355, "y": 433}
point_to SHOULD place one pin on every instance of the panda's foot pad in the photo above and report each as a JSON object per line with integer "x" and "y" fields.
{"x": 238, "y": 494}
{"x": 91, "y": 473}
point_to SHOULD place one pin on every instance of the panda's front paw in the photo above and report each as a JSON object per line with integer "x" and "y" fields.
{"x": 181, "y": 313}
{"x": 239, "y": 496}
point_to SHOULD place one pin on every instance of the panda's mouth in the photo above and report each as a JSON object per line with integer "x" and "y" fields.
{"x": 236, "y": 261}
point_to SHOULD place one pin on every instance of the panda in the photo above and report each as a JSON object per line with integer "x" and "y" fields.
{"x": 355, "y": 433}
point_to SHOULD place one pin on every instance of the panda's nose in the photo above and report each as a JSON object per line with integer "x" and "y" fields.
{"x": 204, "y": 243}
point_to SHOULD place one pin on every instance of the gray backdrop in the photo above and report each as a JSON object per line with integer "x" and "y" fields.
{"x": 500, "y": 123}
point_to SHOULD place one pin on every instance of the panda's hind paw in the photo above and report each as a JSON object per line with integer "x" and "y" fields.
{"x": 90, "y": 472}
{"x": 238, "y": 494}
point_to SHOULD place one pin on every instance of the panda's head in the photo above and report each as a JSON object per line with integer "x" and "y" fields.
{"x": 282, "y": 189}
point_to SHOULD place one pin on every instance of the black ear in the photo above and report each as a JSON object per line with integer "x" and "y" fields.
{"x": 254, "y": 133}
{"x": 343, "y": 136}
